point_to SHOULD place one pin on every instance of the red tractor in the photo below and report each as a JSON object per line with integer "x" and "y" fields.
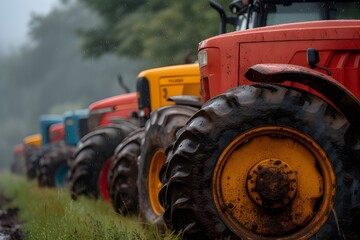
{"x": 110, "y": 121}
{"x": 18, "y": 163}
{"x": 274, "y": 151}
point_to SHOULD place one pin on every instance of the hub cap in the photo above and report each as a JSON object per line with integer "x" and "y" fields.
{"x": 273, "y": 182}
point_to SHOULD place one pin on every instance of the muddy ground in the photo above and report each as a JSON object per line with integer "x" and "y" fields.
{"x": 10, "y": 227}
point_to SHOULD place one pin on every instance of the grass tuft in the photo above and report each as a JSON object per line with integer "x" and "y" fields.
{"x": 51, "y": 214}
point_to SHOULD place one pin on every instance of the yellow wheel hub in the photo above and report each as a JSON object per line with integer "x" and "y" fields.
{"x": 154, "y": 184}
{"x": 271, "y": 183}
{"x": 274, "y": 182}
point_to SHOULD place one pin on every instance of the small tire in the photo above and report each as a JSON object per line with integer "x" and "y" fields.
{"x": 95, "y": 150}
{"x": 190, "y": 185}
{"x": 160, "y": 132}
{"x": 123, "y": 174}
{"x": 53, "y": 167}
{"x": 32, "y": 158}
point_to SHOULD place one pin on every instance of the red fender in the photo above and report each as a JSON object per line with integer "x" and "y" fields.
{"x": 335, "y": 92}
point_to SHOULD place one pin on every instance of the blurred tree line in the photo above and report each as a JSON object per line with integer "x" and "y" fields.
{"x": 163, "y": 31}
{"x": 80, "y": 47}
{"x": 50, "y": 75}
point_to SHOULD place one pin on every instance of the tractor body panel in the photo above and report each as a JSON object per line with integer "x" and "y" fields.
{"x": 121, "y": 106}
{"x": 156, "y": 86}
{"x": 33, "y": 140}
{"x": 230, "y": 55}
{"x": 76, "y": 126}
{"x": 57, "y": 132}
{"x": 45, "y": 122}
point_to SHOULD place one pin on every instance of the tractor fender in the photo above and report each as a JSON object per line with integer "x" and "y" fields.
{"x": 334, "y": 91}
{"x": 186, "y": 100}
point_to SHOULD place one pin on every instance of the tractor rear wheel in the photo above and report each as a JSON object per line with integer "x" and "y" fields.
{"x": 30, "y": 164}
{"x": 53, "y": 167}
{"x": 160, "y": 132}
{"x": 32, "y": 159}
{"x": 95, "y": 150}
{"x": 123, "y": 174}
{"x": 263, "y": 162}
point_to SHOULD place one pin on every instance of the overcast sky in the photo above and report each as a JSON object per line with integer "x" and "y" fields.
{"x": 14, "y": 19}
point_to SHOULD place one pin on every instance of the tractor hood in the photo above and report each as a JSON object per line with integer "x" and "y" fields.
{"x": 124, "y": 99}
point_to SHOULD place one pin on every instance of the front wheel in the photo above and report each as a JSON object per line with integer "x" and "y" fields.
{"x": 87, "y": 169}
{"x": 160, "y": 132}
{"x": 263, "y": 162}
{"x": 123, "y": 174}
{"x": 53, "y": 167}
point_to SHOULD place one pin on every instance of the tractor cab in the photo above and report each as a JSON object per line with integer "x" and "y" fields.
{"x": 76, "y": 126}
{"x": 49, "y": 132}
{"x": 258, "y": 13}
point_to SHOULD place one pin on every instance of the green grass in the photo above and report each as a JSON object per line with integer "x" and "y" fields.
{"x": 51, "y": 214}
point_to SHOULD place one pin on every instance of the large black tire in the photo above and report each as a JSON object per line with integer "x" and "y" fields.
{"x": 56, "y": 159}
{"x": 160, "y": 132}
{"x": 187, "y": 183}
{"x": 123, "y": 174}
{"x": 32, "y": 158}
{"x": 95, "y": 149}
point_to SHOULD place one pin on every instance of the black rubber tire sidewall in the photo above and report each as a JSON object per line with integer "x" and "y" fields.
{"x": 207, "y": 134}
{"x": 160, "y": 132}
{"x": 123, "y": 174}
{"x": 95, "y": 149}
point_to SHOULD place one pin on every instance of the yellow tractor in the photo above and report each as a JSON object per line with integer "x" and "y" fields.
{"x": 32, "y": 145}
{"x": 167, "y": 97}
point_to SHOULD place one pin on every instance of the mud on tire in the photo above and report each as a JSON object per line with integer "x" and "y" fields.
{"x": 187, "y": 182}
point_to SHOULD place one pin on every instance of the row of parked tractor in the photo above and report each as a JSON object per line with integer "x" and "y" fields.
{"x": 258, "y": 140}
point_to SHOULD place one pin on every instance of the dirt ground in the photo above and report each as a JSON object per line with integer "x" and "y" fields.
{"x": 10, "y": 227}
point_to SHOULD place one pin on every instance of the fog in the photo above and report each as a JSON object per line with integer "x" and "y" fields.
{"x": 48, "y": 74}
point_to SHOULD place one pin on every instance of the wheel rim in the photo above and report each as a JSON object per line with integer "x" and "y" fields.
{"x": 61, "y": 175}
{"x": 274, "y": 182}
{"x": 154, "y": 184}
{"x": 103, "y": 181}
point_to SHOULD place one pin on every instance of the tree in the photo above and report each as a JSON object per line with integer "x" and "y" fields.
{"x": 165, "y": 32}
{"x": 50, "y": 74}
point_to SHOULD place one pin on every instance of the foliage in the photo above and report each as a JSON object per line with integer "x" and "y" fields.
{"x": 50, "y": 74}
{"x": 51, "y": 214}
{"x": 165, "y": 32}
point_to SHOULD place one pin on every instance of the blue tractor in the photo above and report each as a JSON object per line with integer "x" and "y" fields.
{"x": 33, "y": 153}
{"x": 62, "y": 139}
